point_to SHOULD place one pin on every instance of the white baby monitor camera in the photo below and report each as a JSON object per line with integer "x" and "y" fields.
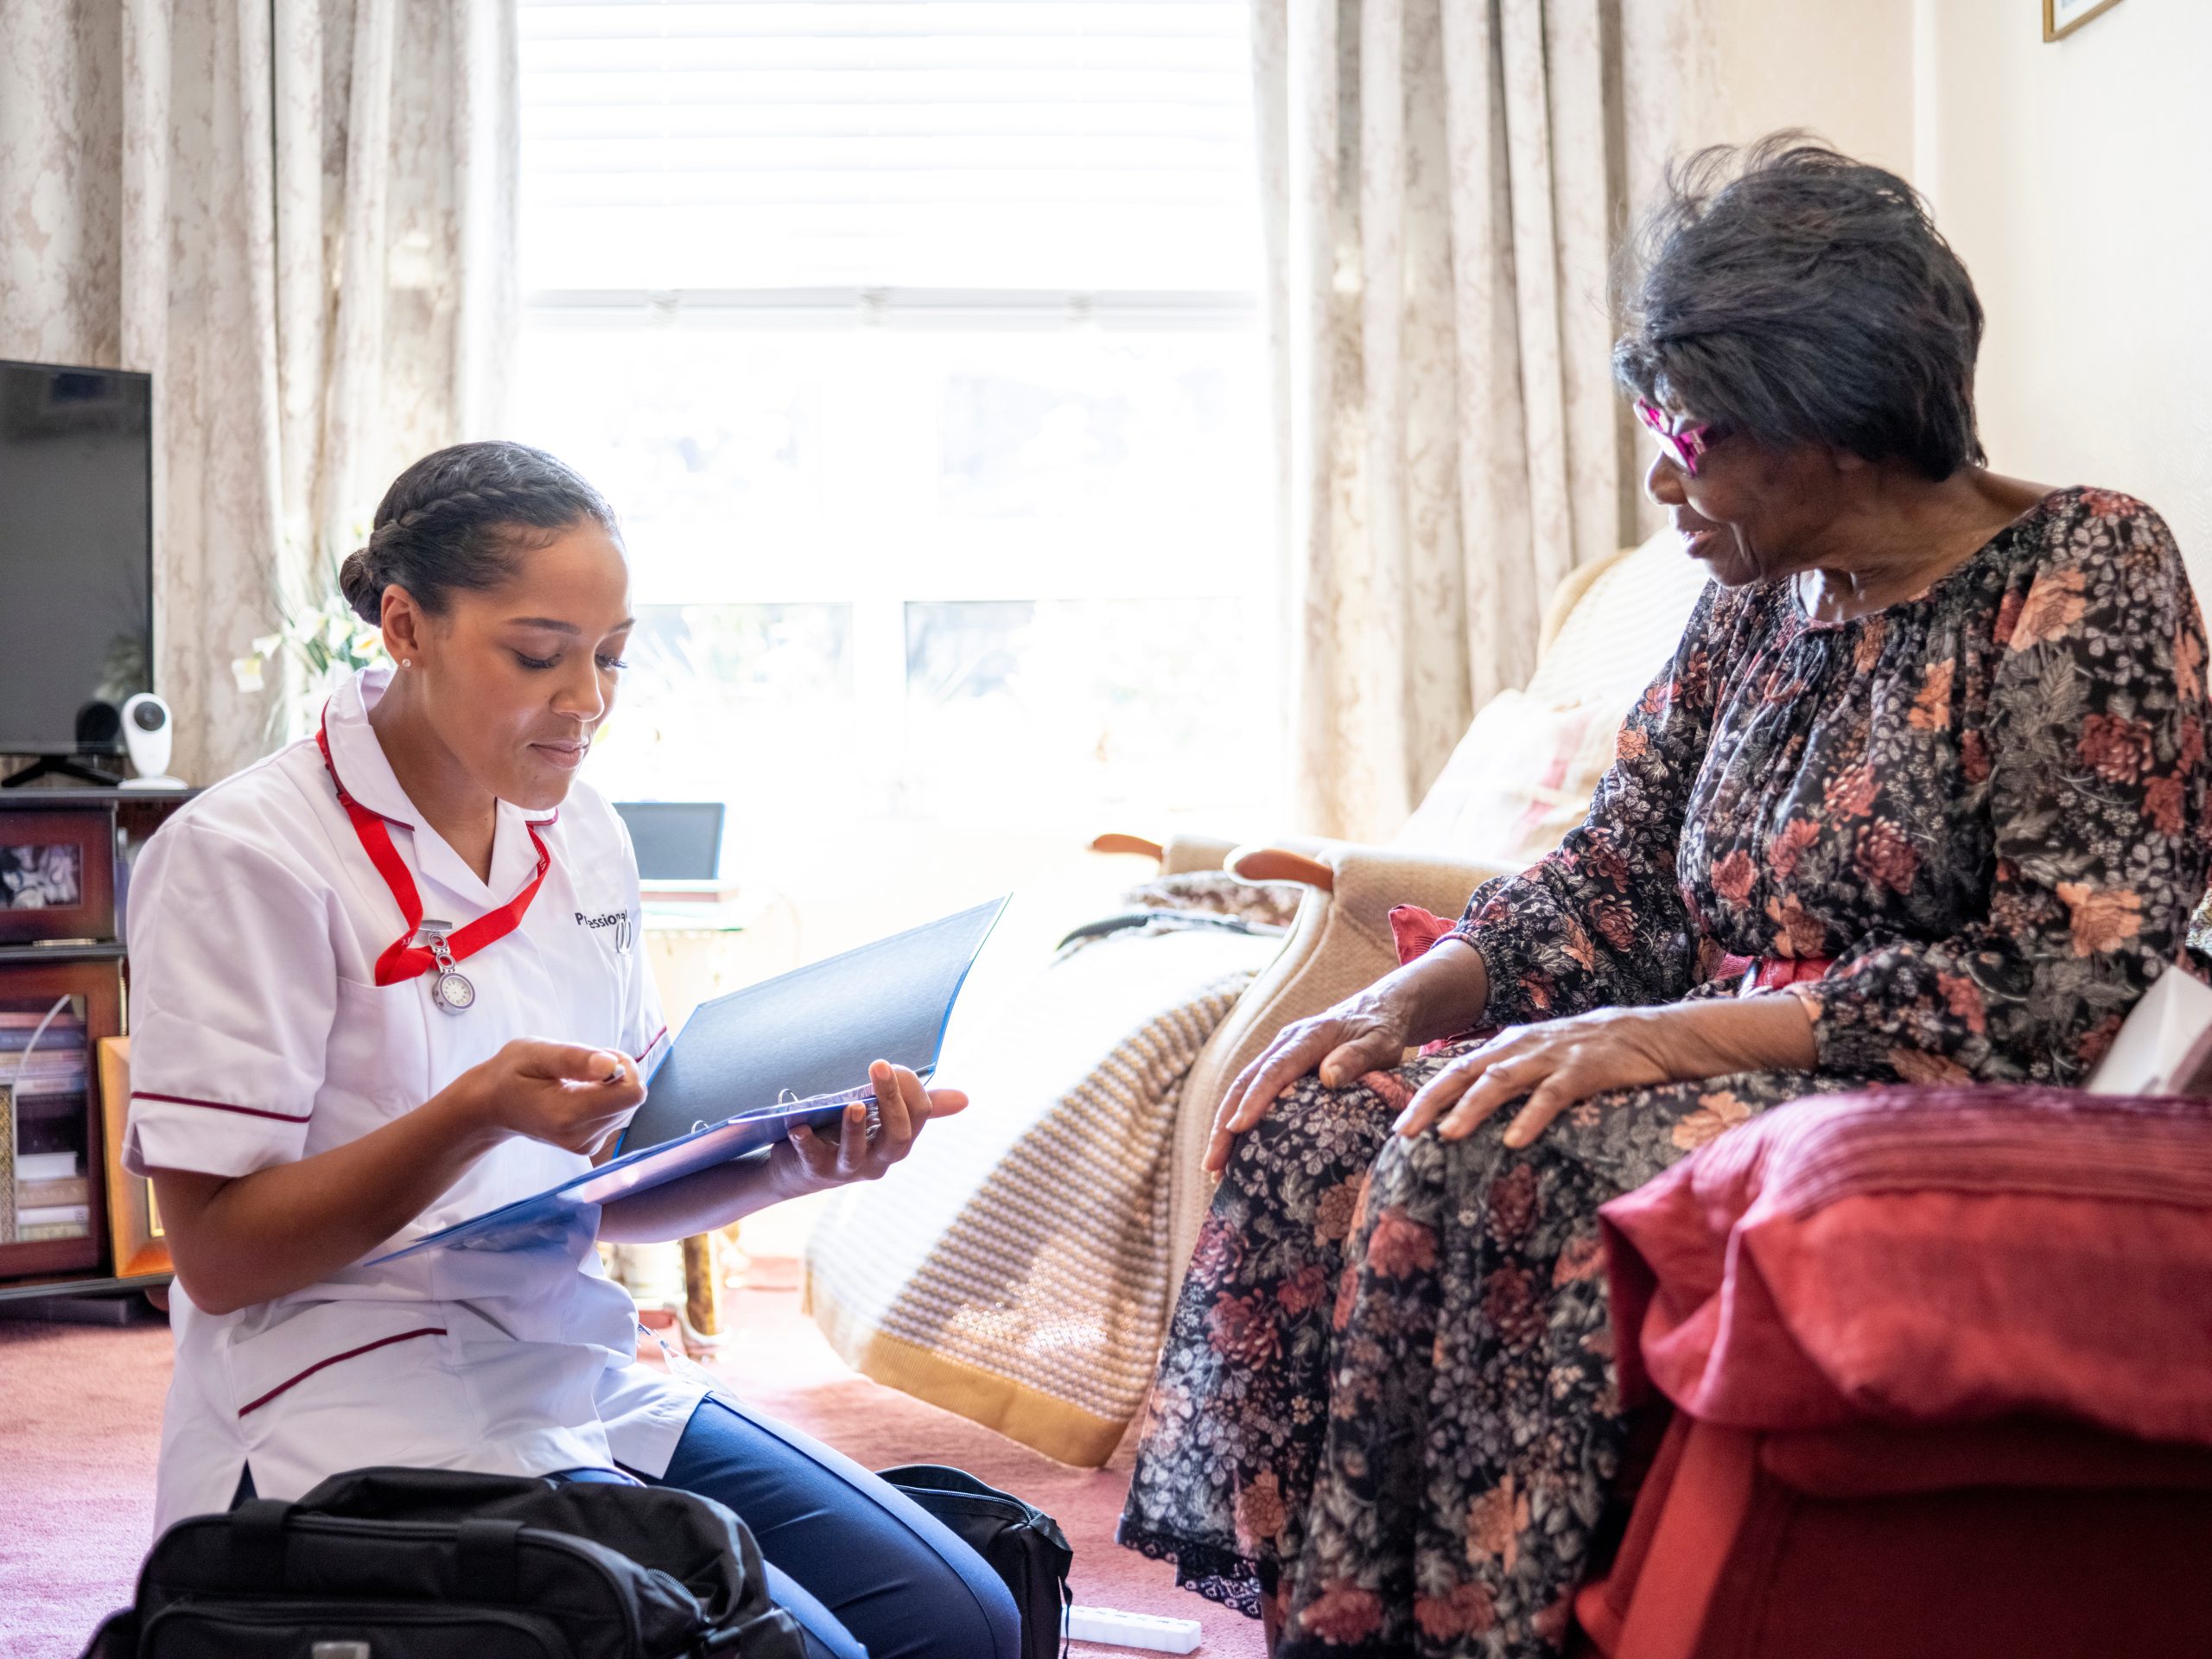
{"x": 148, "y": 728}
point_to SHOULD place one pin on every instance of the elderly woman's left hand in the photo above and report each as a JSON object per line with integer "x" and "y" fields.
{"x": 1563, "y": 1061}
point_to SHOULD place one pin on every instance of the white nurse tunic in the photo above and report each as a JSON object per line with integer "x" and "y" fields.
{"x": 260, "y": 1036}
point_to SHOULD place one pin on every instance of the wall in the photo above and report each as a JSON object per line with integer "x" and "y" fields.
{"x": 2075, "y": 178}
{"x": 1843, "y": 70}
{"x": 1706, "y": 71}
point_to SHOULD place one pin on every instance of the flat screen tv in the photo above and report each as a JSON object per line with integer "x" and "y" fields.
{"x": 76, "y": 550}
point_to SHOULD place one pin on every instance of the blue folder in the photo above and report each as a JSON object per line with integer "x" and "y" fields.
{"x": 750, "y": 1066}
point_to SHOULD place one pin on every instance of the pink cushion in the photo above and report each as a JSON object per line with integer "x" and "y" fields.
{"x": 1928, "y": 1255}
{"x": 1519, "y": 779}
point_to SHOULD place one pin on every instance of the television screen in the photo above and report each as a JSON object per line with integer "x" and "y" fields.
{"x": 76, "y": 548}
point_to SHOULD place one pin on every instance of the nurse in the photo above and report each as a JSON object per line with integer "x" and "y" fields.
{"x": 367, "y": 1002}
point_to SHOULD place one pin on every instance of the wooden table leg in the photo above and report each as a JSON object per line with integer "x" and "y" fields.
{"x": 703, "y": 1290}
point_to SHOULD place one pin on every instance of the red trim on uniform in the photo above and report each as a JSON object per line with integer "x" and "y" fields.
{"x": 351, "y": 1353}
{"x": 215, "y": 1106}
{"x": 653, "y": 1045}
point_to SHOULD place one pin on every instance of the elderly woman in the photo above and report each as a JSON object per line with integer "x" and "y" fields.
{"x": 1919, "y": 798}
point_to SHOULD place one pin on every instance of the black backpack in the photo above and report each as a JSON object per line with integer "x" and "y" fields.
{"x": 1024, "y": 1545}
{"x": 440, "y": 1564}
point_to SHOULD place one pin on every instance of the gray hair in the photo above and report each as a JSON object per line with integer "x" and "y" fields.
{"x": 1786, "y": 292}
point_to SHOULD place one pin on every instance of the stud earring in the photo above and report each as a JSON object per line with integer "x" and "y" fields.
{"x": 407, "y": 662}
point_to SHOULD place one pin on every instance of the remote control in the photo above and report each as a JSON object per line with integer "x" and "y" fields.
{"x": 1150, "y": 1631}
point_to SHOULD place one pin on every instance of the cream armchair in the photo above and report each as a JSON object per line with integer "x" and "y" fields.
{"x": 1024, "y": 1282}
{"x": 1519, "y": 780}
{"x": 1339, "y": 941}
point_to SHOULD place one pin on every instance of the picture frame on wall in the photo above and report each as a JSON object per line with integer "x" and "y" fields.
{"x": 2062, "y": 17}
{"x": 137, "y": 1244}
{"x": 57, "y": 875}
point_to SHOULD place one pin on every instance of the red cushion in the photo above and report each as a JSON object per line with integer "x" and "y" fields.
{"x": 1415, "y": 930}
{"x": 1929, "y": 1256}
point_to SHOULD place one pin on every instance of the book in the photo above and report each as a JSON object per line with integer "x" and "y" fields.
{"x": 47, "y": 1165}
{"x": 2165, "y": 1045}
{"x": 15, "y": 1038}
{"x": 36, "y": 1098}
{"x": 47, "y": 1054}
{"x": 47, "y": 1080}
{"x": 73, "y": 1189}
{"x": 749, "y": 1067}
{"x": 54, "y": 1215}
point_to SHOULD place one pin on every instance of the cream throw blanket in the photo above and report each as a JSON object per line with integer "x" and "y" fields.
{"x": 1015, "y": 1269}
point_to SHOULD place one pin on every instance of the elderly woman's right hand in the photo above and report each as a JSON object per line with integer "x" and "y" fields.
{"x": 1364, "y": 1034}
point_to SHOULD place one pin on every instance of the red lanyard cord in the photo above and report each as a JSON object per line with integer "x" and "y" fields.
{"x": 405, "y": 959}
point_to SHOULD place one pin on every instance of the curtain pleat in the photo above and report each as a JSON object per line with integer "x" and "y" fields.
{"x": 1444, "y": 186}
{"x": 269, "y": 206}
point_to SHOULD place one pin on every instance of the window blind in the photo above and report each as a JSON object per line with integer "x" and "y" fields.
{"x": 1076, "y": 146}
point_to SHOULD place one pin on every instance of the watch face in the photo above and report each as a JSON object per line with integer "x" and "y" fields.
{"x": 453, "y": 992}
{"x": 149, "y": 717}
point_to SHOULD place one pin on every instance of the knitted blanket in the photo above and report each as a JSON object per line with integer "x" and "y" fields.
{"x": 1015, "y": 1269}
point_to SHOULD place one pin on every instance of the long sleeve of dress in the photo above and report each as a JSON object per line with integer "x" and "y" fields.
{"x": 2097, "y": 784}
{"x": 1602, "y": 919}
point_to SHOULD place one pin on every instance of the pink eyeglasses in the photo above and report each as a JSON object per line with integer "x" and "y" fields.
{"x": 1684, "y": 441}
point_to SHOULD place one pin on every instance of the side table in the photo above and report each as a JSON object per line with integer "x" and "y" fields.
{"x": 701, "y": 944}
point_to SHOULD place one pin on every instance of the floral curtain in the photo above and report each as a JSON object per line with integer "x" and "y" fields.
{"x": 299, "y": 215}
{"x": 1445, "y": 183}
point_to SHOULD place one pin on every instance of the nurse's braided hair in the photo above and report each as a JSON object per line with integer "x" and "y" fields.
{"x": 457, "y": 520}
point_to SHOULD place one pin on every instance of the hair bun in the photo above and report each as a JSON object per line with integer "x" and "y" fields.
{"x": 359, "y": 583}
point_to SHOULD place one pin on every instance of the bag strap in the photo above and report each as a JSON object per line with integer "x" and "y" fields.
{"x": 772, "y": 1631}
{"x": 489, "y": 1556}
{"x": 256, "y": 1528}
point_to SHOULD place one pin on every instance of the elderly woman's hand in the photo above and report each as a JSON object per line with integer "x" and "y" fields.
{"x": 1561, "y": 1061}
{"x": 1431, "y": 996}
{"x": 1364, "y": 1034}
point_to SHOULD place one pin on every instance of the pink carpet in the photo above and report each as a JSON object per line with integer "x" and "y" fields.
{"x": 80, "y": 1419}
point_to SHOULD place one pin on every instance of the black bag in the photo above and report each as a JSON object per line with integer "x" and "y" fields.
{"x": 440, "y": 1564}
{"x": 1024, "y": 1545}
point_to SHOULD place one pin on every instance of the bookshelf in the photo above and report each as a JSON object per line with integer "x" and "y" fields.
{"x": 65, "y": 856}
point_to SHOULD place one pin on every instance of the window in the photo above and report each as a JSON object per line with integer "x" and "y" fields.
{"x": 918, "y": 346}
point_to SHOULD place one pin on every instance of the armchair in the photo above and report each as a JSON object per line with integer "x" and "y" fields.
{"x": 1027, "y": 1281}
{"x": 1930, "y": 1394}
{"x": 1518, "y": 781}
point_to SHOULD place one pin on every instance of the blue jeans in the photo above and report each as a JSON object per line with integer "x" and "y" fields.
{"x": 858, "y": 1563}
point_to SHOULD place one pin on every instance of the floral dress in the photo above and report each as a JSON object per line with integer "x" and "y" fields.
{"x": 1975, "y": 820}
